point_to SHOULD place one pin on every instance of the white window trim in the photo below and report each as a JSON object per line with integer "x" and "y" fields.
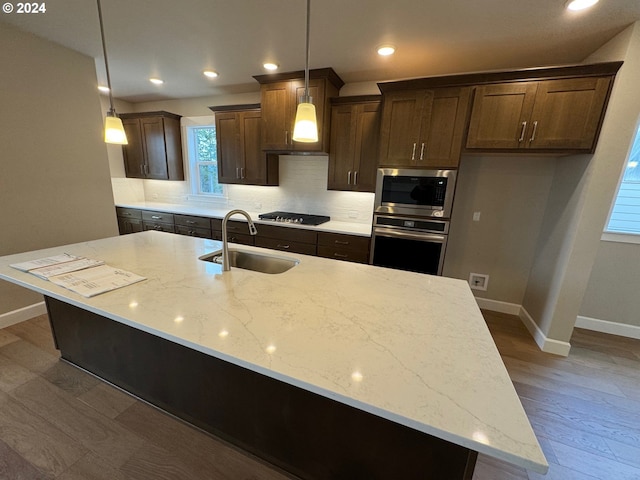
{"x": 620, "y": 237}
{"x": 185, "y": 124}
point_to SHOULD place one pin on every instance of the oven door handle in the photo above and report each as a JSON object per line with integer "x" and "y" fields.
{"x": 425, "y": 237}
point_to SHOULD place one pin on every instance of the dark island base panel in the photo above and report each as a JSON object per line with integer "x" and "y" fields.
{"x": 304, "y": 433}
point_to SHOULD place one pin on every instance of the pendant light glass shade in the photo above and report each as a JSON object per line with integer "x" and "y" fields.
{"x": 305, "y": 127}
{"x": 114, "y": 131}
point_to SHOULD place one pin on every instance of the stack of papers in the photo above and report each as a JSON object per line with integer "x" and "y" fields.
{"x": 86, "y": 276}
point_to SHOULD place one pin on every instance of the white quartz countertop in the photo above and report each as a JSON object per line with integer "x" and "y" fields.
{"x": 408, "y": 347}
{"x": 332, "y": 226}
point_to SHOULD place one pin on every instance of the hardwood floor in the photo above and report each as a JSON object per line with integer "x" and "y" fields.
{"x": 58, "y": 422}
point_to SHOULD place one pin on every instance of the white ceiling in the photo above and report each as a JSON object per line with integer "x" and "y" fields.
{"x": 177, "y": 40}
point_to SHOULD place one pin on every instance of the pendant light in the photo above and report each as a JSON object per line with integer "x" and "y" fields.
{"x": 305, "y": 128}
{"x": 113, "y": 129}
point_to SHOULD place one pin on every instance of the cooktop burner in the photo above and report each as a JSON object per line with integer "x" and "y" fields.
{"x": 290, "y": 217}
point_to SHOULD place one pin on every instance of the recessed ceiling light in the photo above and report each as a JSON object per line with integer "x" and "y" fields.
{"x": 580, "y": 4}
{"x": 210, "y": 73}
{"x": 156, "y": 81}
{"x": 103, "y": 89}
{"x": 270, "y": 66}
{"x": 386, "y": 50}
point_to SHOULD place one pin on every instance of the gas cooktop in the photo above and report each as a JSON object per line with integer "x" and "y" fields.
{"x": 290, "y": 217}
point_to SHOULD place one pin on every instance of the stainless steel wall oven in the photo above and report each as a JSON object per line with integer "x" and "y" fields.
{"x": 411, "y": 219}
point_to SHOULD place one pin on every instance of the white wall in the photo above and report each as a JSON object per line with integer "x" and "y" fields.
{"x": 54, "y": 181}
{"x": 580, "y": 200}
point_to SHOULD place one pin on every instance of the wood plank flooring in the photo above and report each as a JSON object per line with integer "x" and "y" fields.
{"x": 59, "y": 422}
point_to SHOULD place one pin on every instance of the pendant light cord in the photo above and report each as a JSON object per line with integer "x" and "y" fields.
{"x": 306, "y": 68}
{"x": 106, "y": 63}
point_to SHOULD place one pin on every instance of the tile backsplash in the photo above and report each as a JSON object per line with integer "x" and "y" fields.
{"x": 302, "y": 189}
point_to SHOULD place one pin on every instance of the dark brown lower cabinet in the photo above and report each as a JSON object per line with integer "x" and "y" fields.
{"x": 295, "y": 240}
{"x": 309, "y": 435}
{"x": 350, "y": 248}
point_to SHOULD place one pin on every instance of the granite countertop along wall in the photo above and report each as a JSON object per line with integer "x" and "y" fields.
{"x": 408, "y": 347}
{"x": 332, "y": 226}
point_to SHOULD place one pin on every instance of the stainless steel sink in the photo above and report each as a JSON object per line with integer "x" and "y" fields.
{"x": 257, "y": 262}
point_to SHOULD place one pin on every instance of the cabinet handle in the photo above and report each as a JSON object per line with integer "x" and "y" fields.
{"x": 141, "y": 169}
{"x": 286, "y": 247}
{"x": 237, "y": 172}
{"x": 190, "y": 222}
{"x": 533, "y": 135}
{"x": 349, "y": 178}
{"x": 422, "y": 151}
{"x": 146, "y": 169}
{"x": 286, "y": 137}
{"x": 341, "y": 242}
{"x": 241, "y": 172}
{"x": 524, "y": 127}
{"x": 413, "y": 154}
{"x": 340, "y": 255}
{"x": 156, "y": 217}
{"x": 355, "y": 177}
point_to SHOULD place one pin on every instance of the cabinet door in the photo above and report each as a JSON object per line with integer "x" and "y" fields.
{"x": 367, "y": 141}
{"x": 402, "y": 114}
{"x": 441, "y": 136}
{"x": 343, "y": 147}
{"x": 500, "y": 115}
{"x": 276, "y": 116}
{"x": 154, "y": 147}
{"x": 254, "y": 164}
{"x": 133, "y": 153}
{"x": 228, "y": 147}
{"x": 567, "y": 113}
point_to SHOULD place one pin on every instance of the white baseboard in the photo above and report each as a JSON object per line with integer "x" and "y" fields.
{"x": 604, "y": 326}
{"x": 22, "y": 314}
{"x": 498, "y": 306}
{"x": 548, "y": 345}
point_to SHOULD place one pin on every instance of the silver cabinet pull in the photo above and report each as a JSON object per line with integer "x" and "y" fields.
{"x": 286, "y": 247}
{"x": 190, "y": 222}
{"x": 524, "y": 127}
{"x": 241, "y": 172}
{"x": 349, "y": 178}
{"x": 237, "y": 172}
{"x": 156, "y": 217}
{"x": 533, "y": 135}
{"x": 141, "y": 169}
{"x": 422, "y": 151}
{"x": 355, "y": 177}
{"x": 146, "y": 169}
{"x": 413, "y": 153}
{"x": 286, "y": 137}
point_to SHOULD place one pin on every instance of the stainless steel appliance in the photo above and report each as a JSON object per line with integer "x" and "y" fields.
{"x": 425, "y": 193}
{"x": 291, "y": 217}
{"x": 411, "y": 219}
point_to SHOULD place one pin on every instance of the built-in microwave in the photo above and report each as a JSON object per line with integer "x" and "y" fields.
{"x": 420, "y": 192}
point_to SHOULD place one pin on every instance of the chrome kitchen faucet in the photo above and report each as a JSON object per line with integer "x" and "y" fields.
{"x": 226, "y": 265}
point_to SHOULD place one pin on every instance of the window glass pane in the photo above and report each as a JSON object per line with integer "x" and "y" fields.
{"x": 208, "y": 175}
{"x": 205, "y": 144}
{"x": 625, "y": 215}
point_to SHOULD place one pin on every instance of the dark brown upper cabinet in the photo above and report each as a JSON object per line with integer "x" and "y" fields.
{"x": 549, "y": 115}
{"x": 154, "y": 150}
{"x": 241, "y": 159}
{"x": 280, "y": 94}
{"x": 355, "y": 130}
{"x": 423, "y": 128}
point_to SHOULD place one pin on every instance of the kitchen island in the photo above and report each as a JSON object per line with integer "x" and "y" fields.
{"x": 329, "y": 370}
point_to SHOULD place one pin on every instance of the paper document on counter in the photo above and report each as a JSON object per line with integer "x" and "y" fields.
{"x": 65, "y": 267}
{"x": 93, "y": 281}
{"x": 44, "y": 262}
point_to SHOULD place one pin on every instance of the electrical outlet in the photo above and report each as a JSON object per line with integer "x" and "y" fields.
{"x": 478, "y": 281}
{"x": 476, "y": 216}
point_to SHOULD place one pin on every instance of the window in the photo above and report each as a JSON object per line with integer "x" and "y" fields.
{"x": 625, "y": 215}
{"x": 202, "y": 155}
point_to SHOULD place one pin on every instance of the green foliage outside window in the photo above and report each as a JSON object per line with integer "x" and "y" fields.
{"x": 206, "y": 160}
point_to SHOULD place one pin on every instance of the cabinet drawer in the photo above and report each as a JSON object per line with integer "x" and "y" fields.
{"x": 128, "y": 212}
{"x": 157, "y": 217}
{"x": 194, "y": 231}
{"x": 129, "y": 225}
{"x": 344, "y": 242}
{"x": 358, "y": 256}
{"x": 286, "y": 246}
{"x": 240, "y": 238}
{"x": 193, "y": 222}
{"x": 290, "y": 234}
{"x": 160, "y": 226}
